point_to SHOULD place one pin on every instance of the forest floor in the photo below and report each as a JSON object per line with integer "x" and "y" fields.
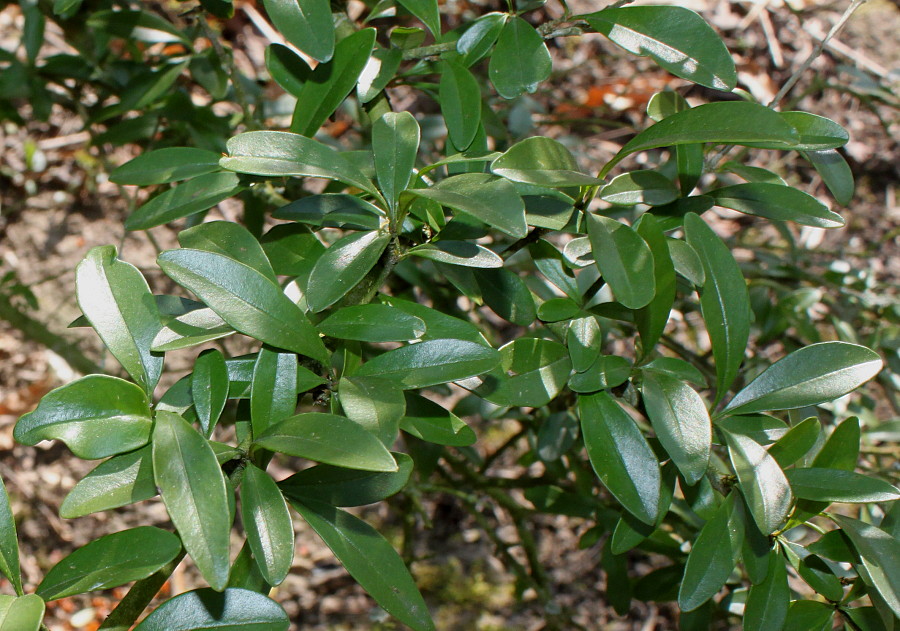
{"x": 55, "y": 204}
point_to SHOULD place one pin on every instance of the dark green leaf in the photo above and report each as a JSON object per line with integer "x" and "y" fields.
{"x": 520, "y": 60}
{"x": 140, "y": 25}
{"x": 267, "y": 523}
{"x": 550, "y": 263}
{"x": 372, "y": 323}
{"x": 379, "y": 71}
{"x": 761, "y": 428}
{"x": 817, "y": 574}
{"x": 640, "y": 187}
{"x": 307, "y": 24}
{"x": 777, "y": 202}
{"x": 342, "y": 266}
{"x": 879, "y": 552}
{"x": 245, "y": 299}
{"x": 532, "y": 373}
{"x": 817, "y": 133}
{"x": 624, "y": 260}
{"x": 507, "y": 295}
{"x": 188, "y": 198}
{"x": 835, "y": 485}
{"x": 768, "y": 601}
{"x": 293, "y": 250}
{"x": 463, "y": 253}
{"x": 375, "y": 403}
{"x": 369, "y": 559}
{"x": 677, "y": 368}
{"x": 333, "y": 210}
{"x": 439, "y": 325}
{"x": 205, "y": 610}
{"x": 607, "y": 371}
{"x": 460, "y": 98}
{"x": 193, "y": 489}
{"x": 9, "y": 546}
{"x": 162, "y": 166}
{"x": 429, "y": 421}
{"x": 834, "y": 545}
{"x": 584, "y": 339}
{"x": 209, "y": 389}
{"x": 193, "y": 328}
{"x": 273, "y": 393}
{"x": 676, "y": 38}
{"x": 287, "y": 68}
{"x": 95, "y": 416}
{"x": 558, "y": 309}
{"x": 330, "y": 439}
{"x": 345, "y": 487}
{"x": 543, "y": 162}
{"x": 841, "y": 450}
{"x": 796, "y": 443}
{"x": 620, "y": 455}
{"x": 811, "y": 375}
{"x": 119, "y": 481}
{"x": 835, "y": 172}
{"x": 231, "y": 240}
{"x": 110, "y": 561}
{"x": 651, "y": 320}
{"x": 630, "y": 531}
{"x": 115, "y": 298}
{"x": 756, "y": 550}
{"x": 478, "y": 39}
{"x": 762, "y": 482}
{"x": 427, "y": 11}
{"x": 432, "y": 362}
{"x": 395, "y": 143}
{"x": 808, "y": 615}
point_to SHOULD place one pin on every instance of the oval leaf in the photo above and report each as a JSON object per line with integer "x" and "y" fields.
{"x": 395, "y": 143}
{"x": 267, "y": 523}
{"x": 119, "y": 481}
{"x": 835, "y": 172}
{"x": 430, "y": 422}
{"x": 307, "y": 24}
{"x": 209, "y": 389}
{"x": 188, "y": 198}
{"x": 624, "y": 260}
{"x": 273, "y": 390}
{"x": 543, "y": 162}
{"x": 762, "y": 481}
{"x": 463, "y": 253}
{"x": 776, "y": 202}
{"x": 345, "y": 487}
{"x": 460, "y": 96}
{"x": 431, "y": 363}
{"x": 231, "y": 240}
{"x": 206, "y": 610}
{"x": 520, "y": 60}
{"x": 879, "y": 552}
{"x": 836, "y": 485}
{"x": 640, "y": 187}
{"x": 162, "y": 166}
{"x": 372, "y": 323}
{"x": 768, "y": 601}
{"x": 342, "y": 266}
{"x": 9, "y": 543}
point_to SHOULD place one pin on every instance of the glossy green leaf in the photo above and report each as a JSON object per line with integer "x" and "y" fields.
{"x": 9, "y": 546}
{"x": 395, "y": 143}
{"x": 768, "y": 601}
{"x": 879, "y": 552}
{"x": 796, "y": 443}
{"x": 267, "y": 523}
{"x": 209, "y": 389}
{"x": 231, "y": 240}
{"x": 777, "y": 202}
{"x": 762, "y": 482}
{"x": 342, "y": 266}
{"x": 119, "y": 481}
{"x": 333, "y": 210}
{"x": 329, "y": 439}
{"x": 724, "y": 122}
{"x": 630, "y": 531}
{"x": 372, "y": 323}
{"x": 836, "y": 485}
{"x": 835, "y": 172}
{"x": 206, "y": 610}
{"x": 460, "y": 97}
{"x": 110, "y": 561}
{"x": 486, "y": 197}
{"x": 724, "y": 301}
{"x": 808, "y": 615}
{"x": 430, "y": 422}
{"x": 811, "y": 375}
{"x": 116, "y": 300}
{"x": 379, "y": 71}
{"x": 833, "y": 545}
{"x": 541, "y": 161}
{"x": 507, "y": 295}
{"x": 558, "y": 309}
{"x": 676, "y": 38}
{"x": 345, "y": 487}
{"x": 651, "y": 319}
{"x": 273, "y": 391}
{"x": 162, "y": 166}
{"x": 624, "y": 260}
{"x": 620, "y": 455}
{"x": 584, "y": 339}
{"x": 713, "y": 555}
{"x": 532, "y": 373}
{"x": 427, "y": 12}
{"x": 520, "y": 61}
{"x": 686, "y": 261}
{"x": 293, "y": 250}
{"x": 666, "y": 103}
{"x": 95, "y": 416}
{"x": 761, "y": 428}
{"x": 640, "y": 187}
{"x": 681, "y": 422}
{"x": 432, "y": 362}
{"x": 194, "y": 492}
{"x": 245, "y": 299}
{"x": 464, "y": 253}
{"x": 24, "y": 613}
{"x": 549, "y": 261}
{"x": 279, "y": 153}
{"x": 375, "y": 403}
{"x": 330, "y": 83}
{"x": 756, "y": 550}
{"x": 307, "y": 24}
{"x": 815, "y": 572}
{"x": 287, "y": 68}
{"x": 188, "y": 198}
{"x": 479, "y": 37}
{"x": 677, "y": 368}
{"x": 841, "y": 449}
{"x": 193, "y": 328}
{"x": 817, "y": 133}
{"x": 607, "y": 371}
{"x": 439, "y": 325}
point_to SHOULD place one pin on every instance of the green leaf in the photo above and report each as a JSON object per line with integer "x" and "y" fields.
{"x": 713, "y": 555}
{"x": 651, "y": 320}
{"x": 205, "y": 610}
{"x": 835, "y": 172}
{"x": 584, "y": 339}
{"x": 273, "y": 391}
{"x": 140, "y": 25}
{"x": 267, "y": 523}
{"x": 288, "y": 69}
{"x": 372, "y": 323}
{"x": 640, "y": 187}
{"x": 369, "y": 559}
{"x": 836, "y": 485}
{"x": 507, "y": 295}
{"x": 520, "y": 60}
{"x": 345, "y": 487}
{"x": 762, "y": 482}
{"x": 620, "y": 455}
{"x": 342, "y": 266}
{"x": 162, "y": 166}
{"x": 9, "y": 546}
{"x": 549, "y": 261}
{"x": 193, "y": 328}
{"x": 293, "y": 250}
{"x": 438, "y": 325}
{"x": 231, "y": 240}
{"x": 532, "y": 373}
{"x": 768, "y": 601}
{"x": 678, "y": 368}
{"x": 666, "y": 103}
{"x": 676, "y": 38}
{"x": 811, "y": 375}
{"x": 280, "y": 153}
{"x": 796, "y": 443}
{"x": 725, "y": 122}
{"x": 486, "y": 197}
{"x": 777, "y": 202}
{"x": 307, "y": 24}
{"x": 762, "y": 428}
{"x": 460, "y": 97}
{"x": 209, "y": 389}
{"x": 188, "y": 198}
{"x": 330, "y": 439}
{"x": 431, "y": 363}
{"x": 464, "y": 253}
{"x": 430, "y": 422}
{"x": 624, "y": 260}
{"x": 681, "y": 422}
{"x": 379, "y": 71}
{"x": 116, "y": 300}
{"x": 119, "y": 481}
{"x": 110, "y": 561}
{"x": 724, "y": 301}
{"x": 558, "y": 310}
{"x": 817, "y": 133}
{"x": 24, "y": 613}
{"x": 479, "y": 37}
{"x": 427, "y": 11}
{"x": 395, "y": 143}
{"x": 686, "y": 261}
{"x": 333, "y": 210}
{"x": 607, "y": 371}
{"x": 375, "y": 403}
{"x": 194, "y": 492}
{"x": 841, "y": 450}
{"x": 245, "y": 299}
{"x": 630, "y": 531}
{"x": 95, "y": 416}
{"x": 808, "y": 615}
{"x": 543, "y": 162}
{"x": 879, "y": 552}
{"x": 330, "y": 83}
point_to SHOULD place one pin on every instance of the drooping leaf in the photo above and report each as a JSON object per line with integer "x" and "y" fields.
{"x": 372, "y": 323}
{"x": 520, "y": 61}
{"x": 543, "y": 162}
{"x": 624, "y": 260}
{"x": 206, "y": 610}
{"x": 9, "y": 543}
{"x": 267, "y": 523}
{"x": 95, "y": 416}
{"x": 273, "y": 393}
{"x": 342, "y": 266}
{"x": 776, "y": 202}
{"x": 188, "y": 198}
{"x": 817, "y": 133}
{"x": 347, "y": 487}
{"x": 460, "y": 97}
{"x": 835, "y": 172}
{"x": 307, "y": 24}
{"x": 836, "y": 485}
{"x": 162, "y": 166}
{"x": 231, "y": 240}
{"x": 119, "y": 481}
{"x": 768, "y": 601}
{"x": 762, "y": 482}
{"x": 194, "y": 492}
{"x": 879, "y": 552}
{"x": 209, "y": 389}
{"x": 430, "y": 422}
{"x": 395, "y": 143}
